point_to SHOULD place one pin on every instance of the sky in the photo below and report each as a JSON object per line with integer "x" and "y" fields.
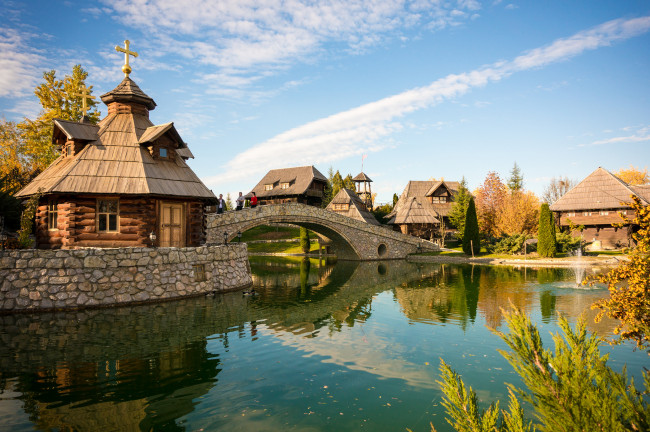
{"x": 423, "y": 89}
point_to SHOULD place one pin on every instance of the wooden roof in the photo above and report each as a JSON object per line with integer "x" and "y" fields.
{"x": 75, "y": 130}
{"x": 128, "y": 91}
{"x": 408, "y": 210}
{"x": 415, "y": 211}
{"x": 599, "y": 190}
{"x": 362, "y": 177}
{"x": 299, "y": 179}
{"x": 118, "y": 161}
{"x": 357, "y": 209}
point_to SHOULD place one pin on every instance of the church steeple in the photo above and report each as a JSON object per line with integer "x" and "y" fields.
{"x": 127, "y": 97}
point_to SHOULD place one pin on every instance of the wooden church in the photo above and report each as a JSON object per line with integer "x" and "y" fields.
{"x": 121, "y": 183}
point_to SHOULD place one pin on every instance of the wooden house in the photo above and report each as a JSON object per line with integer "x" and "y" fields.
{"x": 304, "y": 185}
{"x": 119, "y": 183}
{"x": 422, "y": 207}
{"x": 348, "y": 203}
{"x": 596, "y": 203}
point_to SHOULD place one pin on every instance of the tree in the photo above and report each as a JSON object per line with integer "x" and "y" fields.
{"x": 471, "y": 238}
{"x": 305, "y": 244}
{"x": 459, "y": 208}
{"x": 516, "y": 180}
{"x": 229, "y": 203}
{"x": 27, "y": 146}
{"x": 629, "y": 284}
{"x": 633, "y": 176}
{"x": 546, "y": 245}
{"x": 569, "y": 389}
{"x": 489, "y": 199}
{"x": 519, "y": 214}
{"x": 395, "y": 199}
{"x": 556, "y": 188}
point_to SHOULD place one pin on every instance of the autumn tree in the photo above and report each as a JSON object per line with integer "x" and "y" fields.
{"x": 459, "y": 208}
{"x": 633, "y": 176}
{"x": 28, "y": 145}
{"x": 489, "y": 200}
{"x": 546, "y": 245}
{"x": 516, "y": 180}
{"x": 629, "y": 284}
{"x": 519, "y": 213}
{"x": 556, "y": 188}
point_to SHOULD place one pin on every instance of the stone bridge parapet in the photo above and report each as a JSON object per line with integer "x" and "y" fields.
{"x": 351, "y": 239}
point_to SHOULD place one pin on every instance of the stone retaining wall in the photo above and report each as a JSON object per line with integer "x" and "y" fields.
{"x": 75, "y": 278}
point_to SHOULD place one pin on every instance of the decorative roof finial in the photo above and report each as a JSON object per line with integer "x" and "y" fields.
{"x": 126, "y": 68}
{"x": 84, "y": 93}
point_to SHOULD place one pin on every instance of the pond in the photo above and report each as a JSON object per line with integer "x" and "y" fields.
{"x": 317, "y": 347}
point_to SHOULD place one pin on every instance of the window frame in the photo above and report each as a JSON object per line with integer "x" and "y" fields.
{"x": 100, "y": 214}
{"x": 52, "y": 215}
{"x": 268, "y": 186}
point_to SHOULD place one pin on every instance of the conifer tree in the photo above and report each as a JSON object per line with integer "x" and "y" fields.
{"x": 570, "y": 389}
{"x": 459, "y": 208}
{"x": 471, "y": 238}
{"x": 516, "y": 180}
{"x": 305, "y": 245}
{"x": 546, "y": 244}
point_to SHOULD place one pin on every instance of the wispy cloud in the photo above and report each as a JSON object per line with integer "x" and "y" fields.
{"x": 360, "y": 130}
{"x": 643, "y": 134}
{"x": 235, "y": 41}
{"x": 19, "y": 63}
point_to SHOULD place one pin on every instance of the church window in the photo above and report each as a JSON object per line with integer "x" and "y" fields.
{"x": 52, "y": 215}
{"x": 107, "y": 215}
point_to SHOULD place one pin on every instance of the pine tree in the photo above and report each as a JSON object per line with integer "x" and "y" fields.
{"x": 570, "y": 389}
{"x": 546, "y": 244}
{"x": 305, "y": 244}
{"x": 471, "y": 238}
{"x": 516, "y": 180}
{"x": 459, "y": 208}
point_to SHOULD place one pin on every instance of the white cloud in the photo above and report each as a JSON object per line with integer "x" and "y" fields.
{"x": 20, "y": 64}
{"x": 640, "y": 135}
{"x": 237, "y": 40}
{"x": 361, "y": 130}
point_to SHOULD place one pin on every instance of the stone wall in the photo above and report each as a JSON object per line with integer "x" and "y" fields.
{"x": 59, "y": 279}
{"x": 350, "y": 239}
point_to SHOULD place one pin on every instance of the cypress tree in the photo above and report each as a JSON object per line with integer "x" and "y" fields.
{"x": 304, "y": 240}
{"x": 471, "y": 237}
{"x": 546, "y": 245}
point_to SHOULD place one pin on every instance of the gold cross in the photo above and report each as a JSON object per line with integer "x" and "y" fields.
{"x": 84, "y": 94}
{"x": 126, "y": 68}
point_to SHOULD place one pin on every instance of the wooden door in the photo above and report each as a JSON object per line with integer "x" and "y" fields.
{"x": 172, "y": 224}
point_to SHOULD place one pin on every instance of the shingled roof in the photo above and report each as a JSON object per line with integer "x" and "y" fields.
{"x": 299, "y": 179}
{"x": 600, "y": 190}
{"x": 413, "y": 203}
{"x": 117, "y": 160}
{"x": 356, "y": 210}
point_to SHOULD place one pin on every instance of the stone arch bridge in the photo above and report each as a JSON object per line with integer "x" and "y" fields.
{"x": 351, "y": 239}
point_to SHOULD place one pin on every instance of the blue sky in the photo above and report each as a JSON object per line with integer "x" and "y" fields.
{"x": 426, "y": 89}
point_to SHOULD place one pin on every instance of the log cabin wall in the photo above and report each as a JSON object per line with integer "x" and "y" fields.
{"x": 77, "y": 223}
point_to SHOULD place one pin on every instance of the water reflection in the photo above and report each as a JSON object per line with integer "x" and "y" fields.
{"x": 146, "y": 367}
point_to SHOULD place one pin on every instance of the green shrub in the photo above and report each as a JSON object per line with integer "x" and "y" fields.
{"x": 546, "y": 233}
{"x": 304, "y": 240}
{"x": 512, "y": 245}
{"x": 566, "y": 242}
{"x": 471, "y": 238}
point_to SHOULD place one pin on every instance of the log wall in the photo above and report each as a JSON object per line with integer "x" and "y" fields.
{"x": 77, "y": 223}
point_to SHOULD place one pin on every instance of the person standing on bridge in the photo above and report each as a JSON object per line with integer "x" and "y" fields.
{"x": 240, "y": 202}
{"x": 254, "y": 200}
{"x": 221, "y": 204}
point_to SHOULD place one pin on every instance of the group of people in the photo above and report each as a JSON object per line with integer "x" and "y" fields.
{"x": 221, "y": 203}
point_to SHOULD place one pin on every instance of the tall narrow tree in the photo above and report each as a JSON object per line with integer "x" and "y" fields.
{"x": 516, "y": 180}
{"x": 471, "y": 238}
{"x": 459, "y": 208}
{"x": 546, "y": 245}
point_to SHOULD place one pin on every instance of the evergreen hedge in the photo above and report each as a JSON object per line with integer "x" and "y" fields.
{"x": 471, "y": 237}
{"x": 546, "y": 243}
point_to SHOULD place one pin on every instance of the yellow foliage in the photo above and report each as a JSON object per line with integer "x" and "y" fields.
{"x": 633, "y": 176}
{"x": 629, "y": 285}
{"x": 519, "y": 213}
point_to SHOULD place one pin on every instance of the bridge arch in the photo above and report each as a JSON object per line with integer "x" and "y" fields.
{"x": 351, "y": 239}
